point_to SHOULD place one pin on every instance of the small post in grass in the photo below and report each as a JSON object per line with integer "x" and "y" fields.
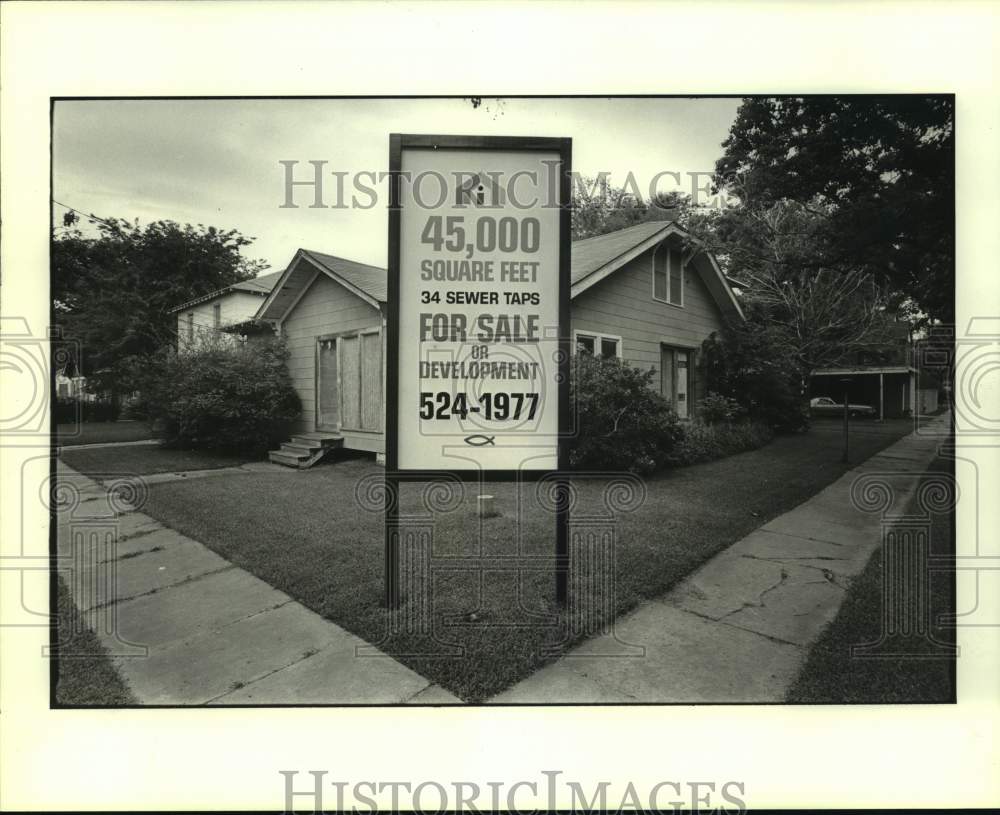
{"x": 847, "y": 422}
{"x": 486, "y": 508}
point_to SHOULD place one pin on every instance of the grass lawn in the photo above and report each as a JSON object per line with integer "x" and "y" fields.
{"x": 492, "y": 596}
{"x": 146, "y": 460}
{"x": 832, "y": 675}
{"x": 68, "y": 435}
{"x": 85, "y": 673}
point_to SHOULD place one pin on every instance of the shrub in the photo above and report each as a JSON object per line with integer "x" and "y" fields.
{"x": 716, "y": 408}
{"x": 703, "y": 442}
{"x": 221, "y": 397}
{"x": 621, "y": 422}
{"x": 744, "y": 363}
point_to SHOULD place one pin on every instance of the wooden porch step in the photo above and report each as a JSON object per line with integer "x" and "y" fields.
{"x": 305, "y": 449}
{"x": 317, "y": 439}
{"x": 299, "y": 450}
{"x": 278, "y": 457}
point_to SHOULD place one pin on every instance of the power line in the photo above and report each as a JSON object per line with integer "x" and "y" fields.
{"x": 89, "y": 216}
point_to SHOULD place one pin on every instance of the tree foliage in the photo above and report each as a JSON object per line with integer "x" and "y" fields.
{"x": 876, "y": 172}
{"x": 220, "y": 396}
{"x": 600, "y": 207}
{"x": 743, "y": 362}
{"x": 816, "y": 316}
{"x": 112, "y": 292}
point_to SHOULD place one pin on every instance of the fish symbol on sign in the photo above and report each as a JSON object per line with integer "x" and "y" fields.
{"x": 479, "y": 440}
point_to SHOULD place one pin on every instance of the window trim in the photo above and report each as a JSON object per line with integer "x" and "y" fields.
{"x": 665, "y": 247}
{"x": 598, "y": 337}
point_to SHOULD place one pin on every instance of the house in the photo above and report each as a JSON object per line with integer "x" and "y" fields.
{"x": 210, "y": 315}
{"x": 639, "y": 294}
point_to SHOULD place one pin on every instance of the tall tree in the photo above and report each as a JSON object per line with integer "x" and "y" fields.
{"x": 600, "y": 207}
{"x": 877, "y": 171}
{"x": 815, "y": 315}
{"x": 112, "y": 292}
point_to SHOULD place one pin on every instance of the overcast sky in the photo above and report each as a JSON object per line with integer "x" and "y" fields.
{"x": 216, "y": 162}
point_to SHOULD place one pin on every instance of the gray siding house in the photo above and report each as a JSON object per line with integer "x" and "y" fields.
{"x": 638, "y": 294}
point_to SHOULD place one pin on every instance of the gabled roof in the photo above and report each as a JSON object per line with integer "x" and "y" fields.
{"x": 258, "y": 285}
{"x": 372, "y": 280}
{"x": 596, "y": 258}
{"x": 591, "y": 254}
{"x": 370, "y": 283}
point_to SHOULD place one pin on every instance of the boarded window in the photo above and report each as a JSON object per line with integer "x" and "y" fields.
{"x": 350, "y": 382}
{"x": 360, "y": 360}
{"x": 216, "y": 315}
{"x": 371, "y": 381}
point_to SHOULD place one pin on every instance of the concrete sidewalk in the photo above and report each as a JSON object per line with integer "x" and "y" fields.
{"x": 187, "y": 627}
{"x": 739, "y": 629}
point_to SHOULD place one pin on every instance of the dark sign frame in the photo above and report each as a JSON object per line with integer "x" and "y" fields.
{"x": 403, "y": 141}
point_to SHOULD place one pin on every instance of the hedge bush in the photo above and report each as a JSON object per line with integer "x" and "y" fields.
{"x": 705, "y": 442}
{"x": 222, "y": 397}
{"x": 744, "y": 363}
{"x": 622, "y": 423}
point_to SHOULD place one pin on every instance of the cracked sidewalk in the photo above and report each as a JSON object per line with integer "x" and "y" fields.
{"x": 184, "y": 626}
{"x": 740, "y": 627}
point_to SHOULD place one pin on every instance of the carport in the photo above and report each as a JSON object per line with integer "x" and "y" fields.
{"x": 891, "y": 390}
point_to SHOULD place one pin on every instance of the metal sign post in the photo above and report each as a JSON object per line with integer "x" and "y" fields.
{"x": 478, "y": 349}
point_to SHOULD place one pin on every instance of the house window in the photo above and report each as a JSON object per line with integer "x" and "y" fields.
{"x": 190, "y": 327}
{"x": 217, "y": 315}
{"x": 592, "y": 343}
{"x": 668, "y": 275}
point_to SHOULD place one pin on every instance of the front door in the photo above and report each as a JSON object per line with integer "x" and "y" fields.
{"x": 674, "y": 378}
{"x": 327, "y": 386}
{"x": 681, "y": 383}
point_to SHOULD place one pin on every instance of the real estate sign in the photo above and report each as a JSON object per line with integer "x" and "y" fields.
{"x": 478, "y": 303}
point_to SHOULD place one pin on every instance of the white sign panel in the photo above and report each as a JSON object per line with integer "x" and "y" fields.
{"x": 478, "y": 309}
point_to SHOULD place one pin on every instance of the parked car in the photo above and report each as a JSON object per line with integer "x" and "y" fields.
{"x": 825, "y": 406}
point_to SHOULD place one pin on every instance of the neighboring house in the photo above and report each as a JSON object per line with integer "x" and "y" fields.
{"x": 69, "y": 385}
{"x": 885, "y": 379}
{"x": 636, "y": 294}
{"x": 210, "y": 315}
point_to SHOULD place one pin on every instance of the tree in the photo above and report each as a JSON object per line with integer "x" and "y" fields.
{"x": 807, "y": 314}
{"x": 112, "y": 292}
{"x": 878, "y": 172}
{"x": 599, "y": 208}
